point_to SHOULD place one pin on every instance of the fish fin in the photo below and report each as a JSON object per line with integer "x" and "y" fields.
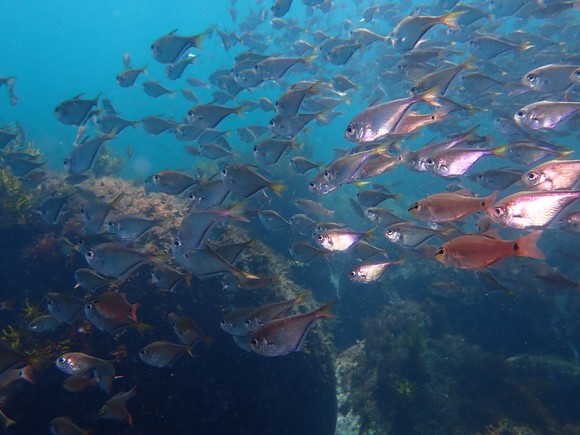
{"x": 115, "y": 202}
{"x": 189, "y": 351}
{"x": 371, "y": 234}
{"x": 278, "y": 188}
{"x": 450, "y": 20}
{"x": 196, "y": 40}
{"x": 325, "y": 311}
{"x": 526, "y": 246}
{"x": 430, "y": 96}
{"x": 236, "y": 211}
{"x": 525, "y": 46}
{"x": 501, "y": 150}
{"x": 133, "y": 313}
{"x": 489, "y": 201}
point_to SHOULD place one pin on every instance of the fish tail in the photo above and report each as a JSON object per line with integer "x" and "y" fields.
{"x": 308, "y": 59}
{"x": 469, "y": 63}
{"x": 196, "y": 40}
{"x": 370, "y": 234}
{"x": 300, "y": 298}
{"x": 431, "y": 96}
{"x": 525, "y": 46}
{"x": 133, "y": 313}
{"x": 489, "y": 201}
{"x": 236, "y": 211}
{"x": 189, "y": 351}
{"x": 7, "y": 420}
{"x": 324, "y": 312}
{"x": 278, "y": 188}
{"x": 116, "y": 201}
{"x": 501, "y": 150}
{"x": 526, "y": 246}
{"x": 27, "y": 373}
{"x": 450, "y": 20}
{"x": 240, "y": 111}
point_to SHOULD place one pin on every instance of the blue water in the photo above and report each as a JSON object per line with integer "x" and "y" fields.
{"x": 446, "y": 350}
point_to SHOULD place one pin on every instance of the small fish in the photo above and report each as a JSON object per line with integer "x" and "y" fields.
{"x": 287, "y": 127}
{"x": 170, "y": 182}
{"x": 171, "y": 47}
{"x": 478, "y": 251}
{"x": 530, "y": 153}
{"x": 411, "y": 235}
{"x": 214, "y": 151}
{"x": 168, "y": 278}
{"x": 496, "y": 179}
{"x": 441, "y": 78}
{"x": 549, "y": 78}
{"x": 273, "y": 68}
{"x": 290, "y": 101}
{"x": 157, "y": 125}
{"x": 127, "y": 77}
{"x": 381, "y": 217}
{"x": 341, "y": 54}
{"x": 76, "y": 384}
{"x": 342, "y": 83}
{"x": 44, "y": 323}
{"x": 545, "y": 114}
{"x": 281, "y": 7}
{"x": 130, "y": 227}
{"x": 207, "y": 194}
{"x": 78, "y": 363}
{"x": 269, "y": 151}
{"x": 155, "y": 89}
{"x": 186, "y": 330}
{"x": 272, "y": 220}
{"x": 282, "y": 336}
{"x": 162, "y": 353}
{"x": 302, "y": 165}
{"x": 81, "y": 159}
{"x": 94, "y": 213}
{"x": 304, "y": 252}
{"x": 570, "y": 222}
{"x": 457, "y": 161}
{"x": 531, "y": 209}
{"x": 115, "y": 407}
{"x": 64, "y": 426}
{"x": 115, "y": 261}
{"x": 301, "y": 224}
{"x": 210, "y": 115}
{"x": 234, "y": 322}
{"x": 370, "y": 272}
{"x": 553, "y": 175}
{"x": 51, "y": 207}
{"x": 340, "y": 240}
{"x": 449, "y": 206}
{"x": 113, "y": 306}
{"x": 411, "y": 29}
{"x": 309, "y": 206}
{"x": 174, "y": 71}
{"x": 244, "y": 181}
{"x": 373, "y": 197}
{"x": 258, "y": 317}
{"x": 75, "y": 111}
{"x": 381, "y": 120}
{"x": 488, "y": 47}
{"x": 64, "y": 308}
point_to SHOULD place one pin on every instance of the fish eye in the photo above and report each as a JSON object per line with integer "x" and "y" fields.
{"x": 389, "y": 231}
{"x": 177, "y": 243}
{"x": 190, "y": 113}
{"x": 440, "y": 251}
{"x": 90, "y": 254}
{"x": 326, "y": 173}
{"x": 311, "y": 184}
{"x": 223, "y": 322}
{"x": 248, "y": 322}
{"x": 62, "y": 360}
{"x": 156, "y": 177}
{"x": 174, "y": 324}
{"x": 430, "y": 162}
{"x": 498, "y": 211}
{"x": 90, "y": 306}
{"x": 256, "y": 67}
{"x": 352, "y": 273}
{"x": 224, "y": 171}
{"x": 255, "y": 148}
{"x": 415, "y": 207}
{"x": 254, "y": 342}
{"x": 413, "y": 90}
{"x": 532, "y": 176}
{"x": 320, "y": 238}
{"x": 520, "y": 114}
{"x": 531, "y": 77}
{"x": 433, "y": 117}
{"x": 349, "y": 129}
{"x": 142, "y": 352}
{"x": 577, "y": 73}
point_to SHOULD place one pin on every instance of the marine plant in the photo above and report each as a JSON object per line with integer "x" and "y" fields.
{"x": 14, "y": 198}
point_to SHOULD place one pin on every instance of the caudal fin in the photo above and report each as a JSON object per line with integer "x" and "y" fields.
{"x": 526, "y": 246}
{"x": 325, "y": 311}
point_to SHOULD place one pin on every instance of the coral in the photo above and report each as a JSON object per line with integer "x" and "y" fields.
{"x": 14, "y": 199}
{"x": 107, "y": 162}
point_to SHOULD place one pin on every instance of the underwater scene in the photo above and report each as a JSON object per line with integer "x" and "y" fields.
{"x": 290, "y": 217}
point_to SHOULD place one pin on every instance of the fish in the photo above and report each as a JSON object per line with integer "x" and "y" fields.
{"x": 310, "y": 206}
{"x": 545, "y": 115}
{"x": 272, "y": 220}
{"x": 488, "y": 47}
{"x": 186, "y": 330}
{"x": 115, "y": 407}
{"x": 234, "y": 322}
{"x": 549, "y": 78}
{"x": 64, "y": 308}
{"x": 287, "y": 127}
{"x": 342, "y": 83}
{"x": 441, "y": 78}
{"x": 42, "y": 324}
{"x": 290, "y": 101}
{"x": 174, "y": 71}
{"x": 302, "y": 165}
{"x": 457, "y": 161}
{"x": 496, "y": 179}
{"x": 273, "y": 68}
{"x": 214, "y": 151}
{"x": 155, "y": 89}
{"x": 370, "y": 272}
{"x": 281, "y": 7}
{"x": 553, "y": 175}
{"x": 94, "y": 213}
{"x": 380, "y": 121}
{"x": 570, "y": 222}
{"x": 341, "y": 240}
{"x": 114, "y": 123}
{"x": 301, "y": 224}
{"x": 210, "y": 115}
{"x": 449, "y": 206}
{"x": 113, "y": 306}
{"x": 171, "y": 47}
{"x": 6, "y": 137}
{"x": 478, "y": 251}
{"x": 64, "y": 426}
{"x": 373, "y": 197}
{"x": 52, "y": 207}
{"x": 162, "y": 353}
{"x": 130, "y": 228}
{"x": 411, "y": 235}
{"x": 127, "y": 77}
{"x": 411, "y": 29}
{"x": 269, "y": 151}
{"x": 381, "y": 216}
{"x": 207, "y": 195}
{"x": 78, "y": 363}
{"x": 341, "y": 54}
{"x": 157, "y": 125}
{"x": 169, "y": 181}
{"x": 115, "y": 261}
{"x": 76, "y": 111}
{"x": 304, "y": 252}
{"x": 244, "y": 181}
{"x": 76, "y": 384}
{"x": 531, "y": 209}
{"x": 282, "y": 336}
{"x": 168, "y": 278}
{"x": 81, "y": 159}
{"x": 258, "y": 317}
{"x": 531, "y": 152}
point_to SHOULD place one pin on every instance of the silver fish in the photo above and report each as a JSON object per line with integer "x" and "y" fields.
{"x": 545, "y": 114}
{"x": 171, "y": 47}
{"x": 75, "y": 111}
